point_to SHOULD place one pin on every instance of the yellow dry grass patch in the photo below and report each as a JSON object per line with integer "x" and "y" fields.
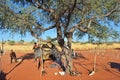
{"x": 19, "y": 48}
{"x": 75, "y": 46}
{"x": 88, "y": 46}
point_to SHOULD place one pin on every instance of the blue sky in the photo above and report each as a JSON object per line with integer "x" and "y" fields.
{"x": 52, "y": 33}
{"x": 17, "y": 37}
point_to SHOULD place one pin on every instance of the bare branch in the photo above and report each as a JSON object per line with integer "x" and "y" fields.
{"x": 43, "y": 28}
{"x": 109, "y": 13}
{"x": 38, "y": 38}
{"x": 70, "y": 13}
{"x": 89, "y": 23}
{"x": 51, "y": 27}
{"x": 33, "y": 33}
{"x": 93, "y": 17}
{"x": 78, "y": 27}
{"x": 43, "y": 8}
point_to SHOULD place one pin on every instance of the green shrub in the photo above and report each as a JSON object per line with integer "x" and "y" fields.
{"x": 11, "y": 42}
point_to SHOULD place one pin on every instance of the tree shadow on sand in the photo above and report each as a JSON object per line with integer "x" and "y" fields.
{"x": 81, "y": 56}
{"x": 117, "y": 48}
{"x": 84, "y": 66}
{"x": 27, "y": 56}
{"x": 2, "y": 76}
{"x": 115, "y": 65}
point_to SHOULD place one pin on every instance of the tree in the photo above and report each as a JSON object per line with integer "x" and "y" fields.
{"x": 11, "y": 42}
{"x": 66, "y": 16}
{"x": 21, "y": 42}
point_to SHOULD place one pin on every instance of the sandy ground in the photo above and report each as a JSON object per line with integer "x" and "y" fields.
{"x": 107, "y": 67}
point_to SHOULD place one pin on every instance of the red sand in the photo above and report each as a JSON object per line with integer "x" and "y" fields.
{"x": 27, "y": 69}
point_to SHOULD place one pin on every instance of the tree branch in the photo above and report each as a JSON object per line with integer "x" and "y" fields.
{"x": 38, "y": 38}
{"x": 110, "y": 12}
{"x": 90, "y": 20}
{"x": 45, "y": 29}
{"x": 69, "y": 15}
{"x": 43, "y": 8}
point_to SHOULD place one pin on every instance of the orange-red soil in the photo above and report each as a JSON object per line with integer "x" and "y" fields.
{"x": 27, "y": 69}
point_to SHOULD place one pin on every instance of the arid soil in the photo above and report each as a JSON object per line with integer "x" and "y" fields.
{"x": 107, "y": 67}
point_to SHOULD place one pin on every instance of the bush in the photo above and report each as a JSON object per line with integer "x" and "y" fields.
{"x": 11, "y": 42}
{"x": 21, "y": 42}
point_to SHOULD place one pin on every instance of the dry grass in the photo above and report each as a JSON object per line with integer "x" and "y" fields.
{"x": 89, "y": 46}
{"x": 75, "y": 46}
{"x": 19, "y": 48}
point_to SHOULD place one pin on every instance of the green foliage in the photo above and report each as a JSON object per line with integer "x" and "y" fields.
{"x": 21, "y": 42}
{"x": 99, "y": 31}
{"x": 13, "y": 22}
{"x": 79, "y": 34}
{"x": 11, "y": 42}
{"x": 66, "y": 13}
{"x": 49, "y": 38}
{"x": 113, "y": 35}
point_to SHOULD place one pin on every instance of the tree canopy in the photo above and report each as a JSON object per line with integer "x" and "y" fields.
{"x": 66, "y": 16}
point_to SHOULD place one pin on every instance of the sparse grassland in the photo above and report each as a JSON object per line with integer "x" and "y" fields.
{"x": 75, "y": 46}
{"x": 88, "y": 46}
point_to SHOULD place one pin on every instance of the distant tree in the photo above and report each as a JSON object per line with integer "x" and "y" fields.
{"x": 21, "y": 42}
{"x": 49, "y": 38}
{"x": 33, "y": 41}
{"x": 11, "y": 42}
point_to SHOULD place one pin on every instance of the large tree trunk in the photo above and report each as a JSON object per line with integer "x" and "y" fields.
{"x": 68, "y": 35}
{"x": 68, "y": 60}
{"x": 67, "y": 51}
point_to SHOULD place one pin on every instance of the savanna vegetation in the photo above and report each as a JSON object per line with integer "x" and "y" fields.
{"x": 66, "y": 17}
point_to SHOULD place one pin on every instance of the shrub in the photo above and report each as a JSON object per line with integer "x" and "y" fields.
{"x": 11, "y": 42}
